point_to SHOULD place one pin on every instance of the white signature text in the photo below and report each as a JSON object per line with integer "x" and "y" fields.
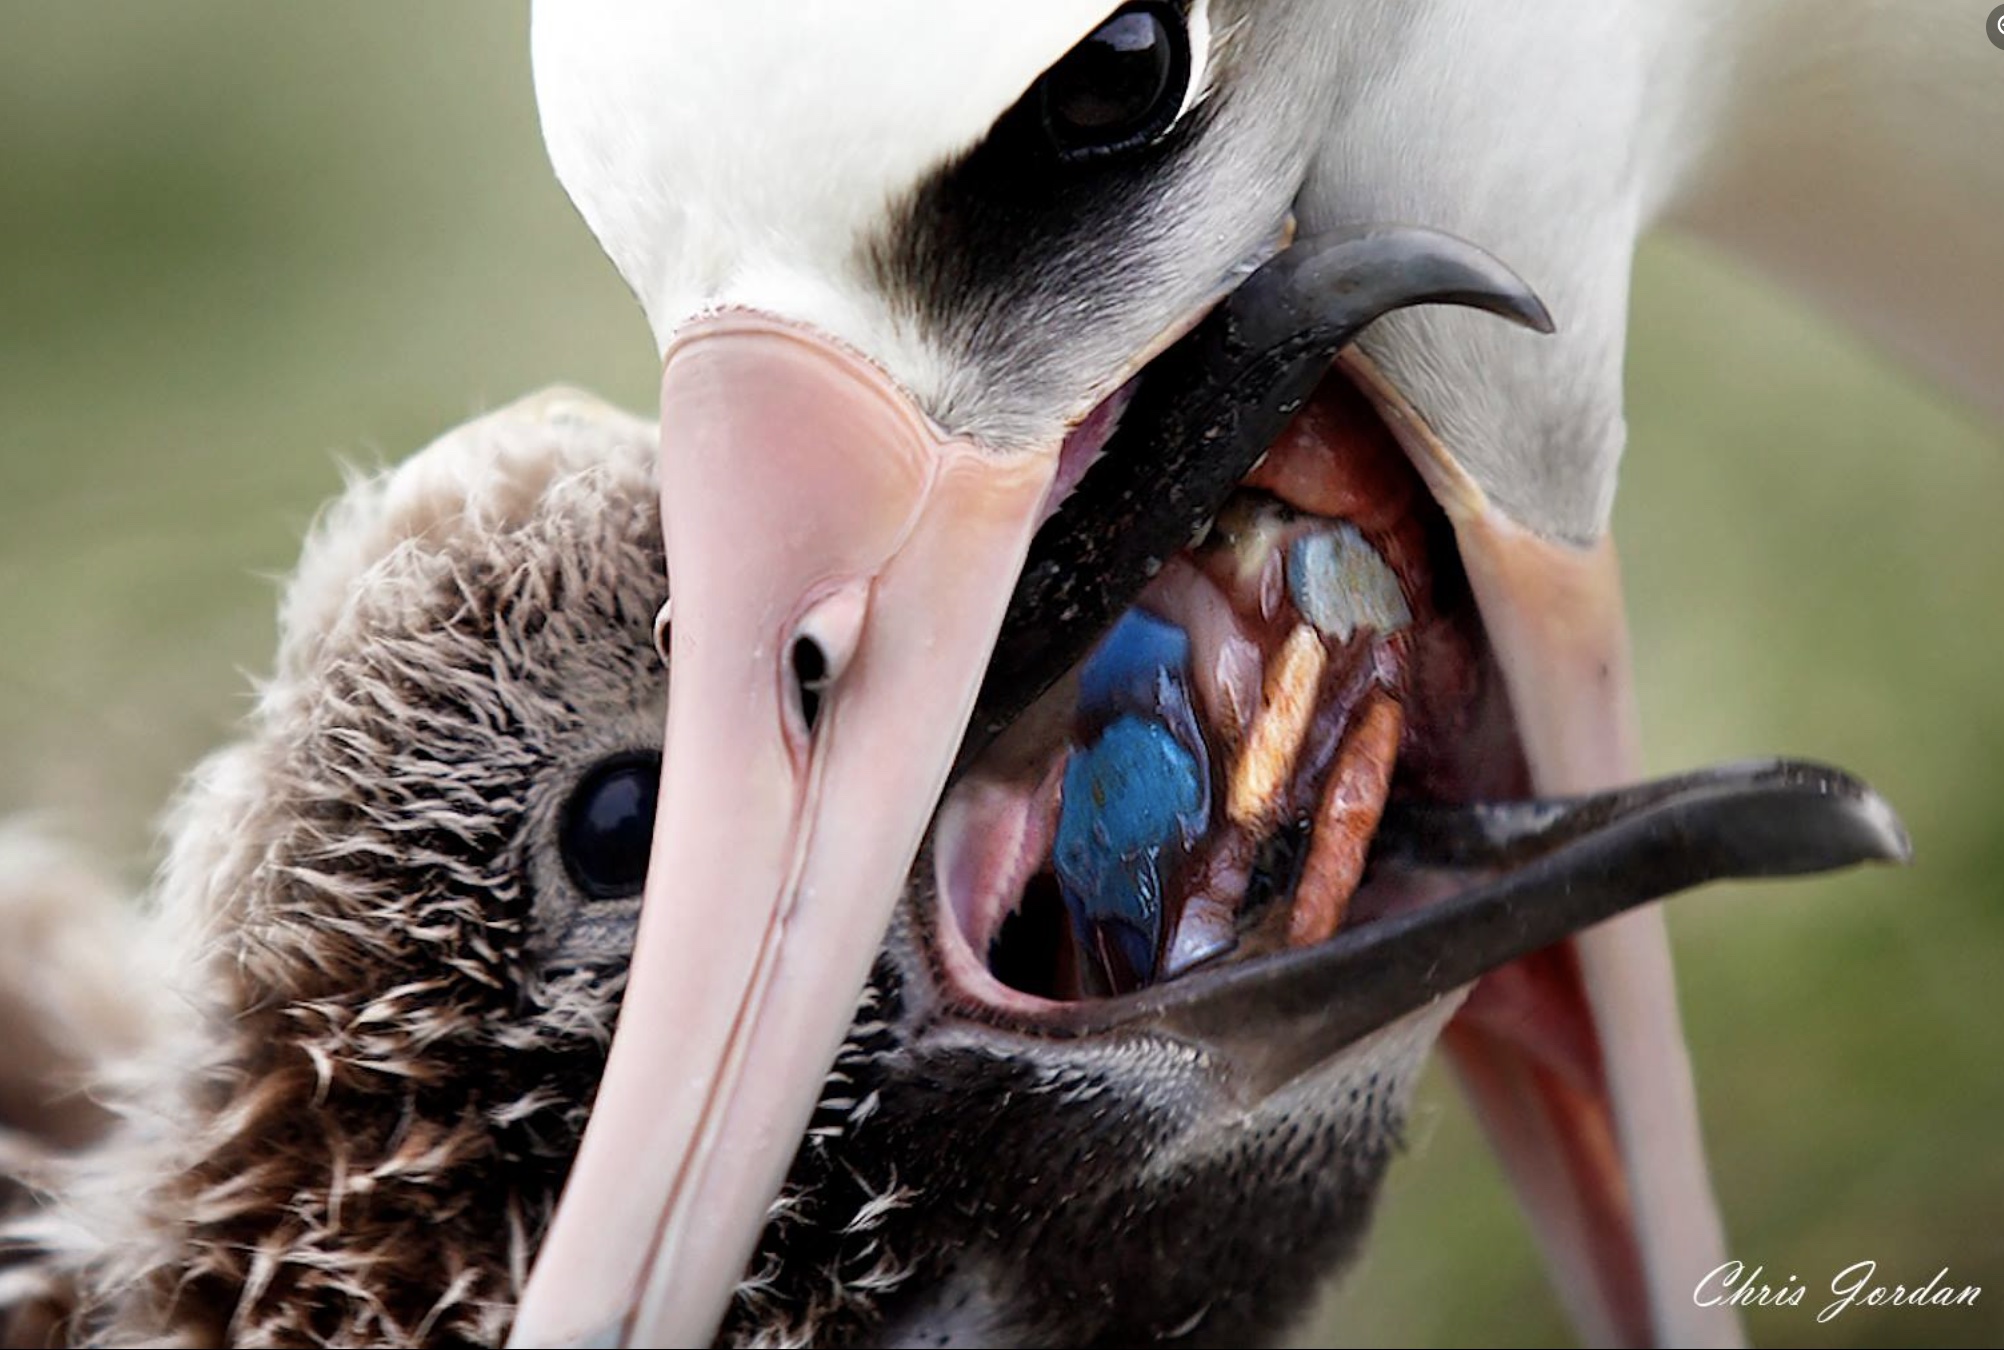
{"x": 1734, "y": 1286}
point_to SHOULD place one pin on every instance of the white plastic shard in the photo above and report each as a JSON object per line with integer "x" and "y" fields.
{"x": 1342, "y": 585}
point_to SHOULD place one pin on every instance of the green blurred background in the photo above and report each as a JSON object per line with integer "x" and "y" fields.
{"x": 240, "y": 243}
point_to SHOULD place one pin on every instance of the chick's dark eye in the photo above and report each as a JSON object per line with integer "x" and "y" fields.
{"x": 1120, "y": 88}
{"x": 608, "y": 825}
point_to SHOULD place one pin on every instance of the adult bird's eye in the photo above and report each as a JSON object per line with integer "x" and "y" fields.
{"x": 1120, "y": 88}
{"x": 608, "y": 826}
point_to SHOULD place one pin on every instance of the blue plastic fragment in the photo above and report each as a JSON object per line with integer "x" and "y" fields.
{"x": 1132, "y": 800}
{"x": 1133, "y": 668}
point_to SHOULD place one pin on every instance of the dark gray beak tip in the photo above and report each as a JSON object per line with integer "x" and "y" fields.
{"x": 1485, "y": 282}
{"x": 1533, "y": 315}
{"x": 1320, "y": 292}
{"x": 1899, "y": 843}
{"x": 1863, "y": 827}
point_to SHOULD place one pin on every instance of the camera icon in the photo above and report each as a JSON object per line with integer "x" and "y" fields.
{"x": 1993, "y": 27}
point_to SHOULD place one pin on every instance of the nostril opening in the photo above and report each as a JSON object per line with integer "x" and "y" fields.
{"x": 824, "y": 642}
{"x": 810, "y": 678}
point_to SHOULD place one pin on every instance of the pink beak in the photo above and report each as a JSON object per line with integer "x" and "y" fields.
{"x": 820, "y": 532}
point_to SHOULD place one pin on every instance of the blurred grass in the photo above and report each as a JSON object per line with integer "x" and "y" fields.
{"x": 240, "y": 241}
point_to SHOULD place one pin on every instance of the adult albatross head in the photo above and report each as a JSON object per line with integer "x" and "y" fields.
{"x": 982, "y": 328}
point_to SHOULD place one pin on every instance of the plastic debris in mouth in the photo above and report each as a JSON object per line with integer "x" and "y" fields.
{"x": 1155, "y": 878}
{"x": 1136, "y": 796}
{"x": 1205, "y": 784}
